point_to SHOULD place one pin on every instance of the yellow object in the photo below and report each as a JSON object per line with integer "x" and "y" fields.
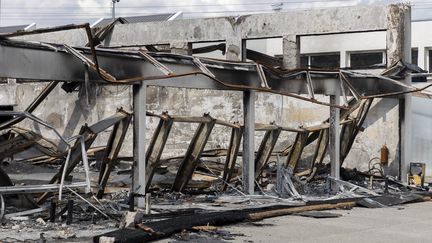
{"x": 415, "y": 180}
{"x": 417, "y": 174}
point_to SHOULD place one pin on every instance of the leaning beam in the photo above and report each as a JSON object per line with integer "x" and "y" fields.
{"x": 193, "y": 154}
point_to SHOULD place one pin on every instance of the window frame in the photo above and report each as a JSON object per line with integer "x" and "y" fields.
{"x": 383, "y": 59}
{"x": 309, "y": 55}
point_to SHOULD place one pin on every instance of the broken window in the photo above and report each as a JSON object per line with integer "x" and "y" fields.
{"x": 367, "y": 59}
{"x": 327, "y": 61}
{"x": 267, "y": 51}
{"x": 209, "y": 49}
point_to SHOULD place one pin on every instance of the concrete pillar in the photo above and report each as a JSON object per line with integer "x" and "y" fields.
{"x": 235, "y": 49}
{"x": 183, "y": 48}
{"x": 291, "y": 51}
{"x": 334, "y": 138}
{"x": 139, "y": 142}
{"x": 399, "y": 47}
{"x": 421, "y": 60}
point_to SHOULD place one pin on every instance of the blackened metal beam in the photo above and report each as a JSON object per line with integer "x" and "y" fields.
{"x": 321, "y": 149}
{"x": 297, "y": 149}
{"x": 156, "y": 146}
{"x": 265, "y": 150}
{"x": 193, "y": 154}
{"x": 346, "y": 134}
{"x": 231, "y": 157}
{"x": 64, "y": 63}
{"x": 112, "y": 150}
{"x": 357, "y": 127}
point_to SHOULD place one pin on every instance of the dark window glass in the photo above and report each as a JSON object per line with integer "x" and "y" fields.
{"x": 330, "y": 61}
{"x": 414, "y": 56}
{"x": 326, "y": 61}
{"x": 304, "y": 61}
{"x": 367, "y": 60}
{"x": 430, "y": 61}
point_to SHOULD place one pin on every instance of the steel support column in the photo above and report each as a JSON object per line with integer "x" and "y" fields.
{"x": 249, "y": 142}
{"x": 334, "y": 146}
{"x": 139, "y": 138}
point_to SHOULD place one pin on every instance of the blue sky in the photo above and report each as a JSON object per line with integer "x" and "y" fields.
{"x": 60, "y": 12}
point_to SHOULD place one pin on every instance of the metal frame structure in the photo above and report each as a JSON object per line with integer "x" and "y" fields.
{"x": 21, "y": 59}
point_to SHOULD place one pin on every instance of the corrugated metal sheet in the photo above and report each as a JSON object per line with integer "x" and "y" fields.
{"x": 138, "y": 19}
{"x": 11, "y": 29}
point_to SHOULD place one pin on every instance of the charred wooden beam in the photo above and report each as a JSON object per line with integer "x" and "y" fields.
{"x": 321, "y": 148}
{"x": 164, "y": 228}
{"x": 297, "y": 149}
{"x": 231, "y": 157}
{"x": 156, "y": 146}
{"x": 357, "y": 127}
{"x": 346, "y": 135}
{"x": 112, "y": 150}
{"x": 265, "y": 150}
{"x": 193, "y": 154}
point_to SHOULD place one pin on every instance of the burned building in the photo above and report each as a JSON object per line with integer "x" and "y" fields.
{"x": 136, "y": 92}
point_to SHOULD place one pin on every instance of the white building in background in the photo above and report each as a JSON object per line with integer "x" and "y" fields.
{"x": 353, "y": 50}
{"x": 421, "y": 41}
{"x": 366, "y": 51}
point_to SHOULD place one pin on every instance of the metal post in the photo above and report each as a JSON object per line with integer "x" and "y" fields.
{"x": 131, "y": 202}
{"x": 334, "y": 145}
{"x": 139, "y": 167}
{"x": 52, "y": 211}
{"x": 86, "y": 165}
{"x": 113, "y": 8}
{"x": 148, "y": 203}
{"x": 249, "y": 142}
{"x": 69, "y": 217}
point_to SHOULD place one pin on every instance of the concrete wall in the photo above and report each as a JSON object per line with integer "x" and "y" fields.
{"x": 67, "y": 112}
